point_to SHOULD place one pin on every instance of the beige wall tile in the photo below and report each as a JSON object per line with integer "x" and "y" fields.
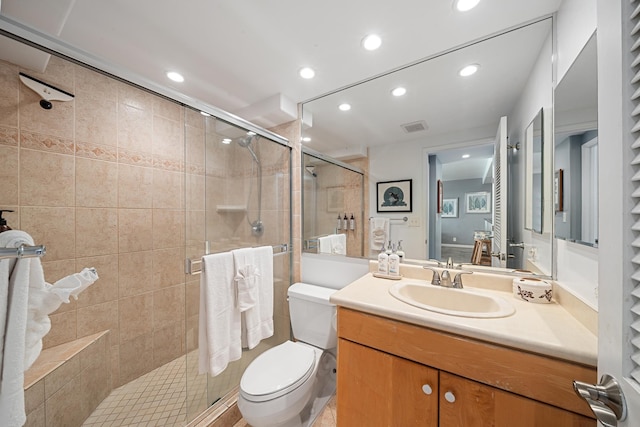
{"x": 9, "y": 92}
{"x": 105, "y": 288}
{"x": 9, "y": 136}
{"x": 195, "y": 192}
{"x": 36, "y": 418}
{"x": 168, "y": 138}
{"x": 96, "y": 354}
{"x": 135, "y": 187}
{"x": 168, "y": 189}
{"x": 96, "y": 183}
{"x": 135, "y": 273}
{"x": 46, "y": 179}
{"x": 34, "y": 396}
{"x": 52, "y": 227}
{"x": 134, "y": 97}
{"x": 168, "y": 228}
{"x": 64, "y": 408}
{"x": 57, "y": 122}
{"x": 93, "y": 151}
{"x": 168, "y": 306}
{"x": 98, "y": 318}
{"x": 96, "y": 119}
{"x": 134, "y": 357}
{"x": 115, "y": 366}
{"x": 135, "y": 129}
{"x": 168, "y": 267}
{"x": 63, "y": 329}
{"x": 96, "y": 85}
{"x": 135, "y": 229}
{"x": 167, "y": 109}
{"x": 96, "y": 231}
{"x": 46, "y": 142}
{"x": 95, "y": 383}
{"x": 136, "y": 317}
{"x": 167, "y": 343}
{"x": 61, "y": 375}
{"x": 9, "y": 173}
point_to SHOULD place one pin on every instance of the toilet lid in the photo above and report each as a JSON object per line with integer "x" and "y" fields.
{"x": 277, "y": 371}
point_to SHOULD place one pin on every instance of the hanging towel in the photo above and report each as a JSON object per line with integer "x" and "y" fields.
{"x": 378, "y": 232}
{"x": 44, "y": 299}
{"x": 246, "y": 283}
{"x": 15, "y": 277}
{"x": 258, "y": 320}
{"x": 325, "y": 245}
{"x": 339, "y": 244}
{"x": 219, "y": 320}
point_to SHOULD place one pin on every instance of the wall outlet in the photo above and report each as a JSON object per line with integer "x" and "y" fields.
{"x": 414, "y": 222}
{"x": 455, "y": 239}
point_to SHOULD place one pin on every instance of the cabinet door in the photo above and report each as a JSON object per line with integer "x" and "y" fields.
{"x": 467, "y": 403}
{"x": 378, "y": 389}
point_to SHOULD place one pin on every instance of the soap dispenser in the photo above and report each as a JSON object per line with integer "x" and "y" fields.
{"x": 339, "y": 224}
{"x": 345, "y": 222}
{"x": 400, "y": 251}
{"x": 383, "y": 262}
{"x": 352, "y": 223}
{"x": 388, "y": 251}
{"x": 394, "y": 263}
{"x": 3, "y": 222}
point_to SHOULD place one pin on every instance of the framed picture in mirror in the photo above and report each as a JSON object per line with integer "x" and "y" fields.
{"x": 450, "y": 208}
{"x": 440, "y": 197}
{"x": 394, "y": 196}
{"x": 558, "y": 187}
{"x": 478, "y": 202}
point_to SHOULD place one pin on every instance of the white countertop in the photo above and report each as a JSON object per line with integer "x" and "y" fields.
{"x": 546, "y": 329}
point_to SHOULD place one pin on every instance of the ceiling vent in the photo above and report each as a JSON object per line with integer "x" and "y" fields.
{"x": 415, "y": 126}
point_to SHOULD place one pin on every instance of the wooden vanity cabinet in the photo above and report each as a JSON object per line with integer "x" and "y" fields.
{"x": 392, "y": 373}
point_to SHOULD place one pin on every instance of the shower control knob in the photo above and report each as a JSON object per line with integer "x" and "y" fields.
{"x": 426, "y": 389}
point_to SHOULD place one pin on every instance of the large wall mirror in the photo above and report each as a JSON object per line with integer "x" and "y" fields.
{"x": 534, "y": 184}
{"x": 446, "y": 115}
{"x": 333, "y": 206}
{"x": 576, "y": 150}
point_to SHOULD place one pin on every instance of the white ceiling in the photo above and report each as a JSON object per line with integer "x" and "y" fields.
{"x": 244, "y": 56}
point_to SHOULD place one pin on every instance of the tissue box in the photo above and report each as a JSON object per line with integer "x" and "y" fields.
{"x": 532, "y": 290}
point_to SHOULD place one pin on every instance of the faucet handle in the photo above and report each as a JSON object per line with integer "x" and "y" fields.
{"x": 435, "y": 280}
{"x": 439, "y": 263}
{"x": 457, "y": 281}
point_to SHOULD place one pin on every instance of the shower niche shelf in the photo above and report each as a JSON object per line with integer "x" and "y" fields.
{"x": 231, "y": 208}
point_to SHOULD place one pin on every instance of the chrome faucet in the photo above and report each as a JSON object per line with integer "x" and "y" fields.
{"x": 449, "y": 262}
{"x": 457, "y": 281}
{"x": 444, "y": 279}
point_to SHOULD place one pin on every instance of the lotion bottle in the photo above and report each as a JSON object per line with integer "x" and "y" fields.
{"x": 339, "y": 224}
{"x": 388, "y": 251}
{"x": 400, "y": 251}
{"x": 394, "y": 263}
{"x": 383, "y": 262}
{"x": 352, "y": 223}
{"x": 345, "y": 222}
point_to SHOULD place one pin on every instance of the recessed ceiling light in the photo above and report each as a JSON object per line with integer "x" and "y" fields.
{"x": 465, "y": 5}
{"x": 306, "y": 139}
{"x": 251, "y": 133}
{"x": 226, "y": 141}
{"x": 307, "y": 73}
{"x": 469, "y": 70}
{"x": 399, "y": 91}
{"x": 465, "y": 156}
{"x": 204, "y": 113}
{"x": 176, "y": 77}
{"x": 344, "y": 107}
{"x": 371, "y": 42}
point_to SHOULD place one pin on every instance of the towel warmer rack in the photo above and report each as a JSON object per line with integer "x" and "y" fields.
{"x": 194, "y": 266}
{"x": 404, "y": 218}
{"x": 23, "y": 251}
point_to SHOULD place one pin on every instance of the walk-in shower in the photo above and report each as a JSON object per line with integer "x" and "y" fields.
{"x": 257, "y": 227}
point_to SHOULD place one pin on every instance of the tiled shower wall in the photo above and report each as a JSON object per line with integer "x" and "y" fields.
{"x": 100, "y": 182}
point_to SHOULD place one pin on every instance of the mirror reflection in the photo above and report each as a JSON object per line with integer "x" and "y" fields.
{"x": 332, "y": 203}
{"x": 576, "y": 151}
{"x": 534, "y": 145}
{"x": 441, "y": 111}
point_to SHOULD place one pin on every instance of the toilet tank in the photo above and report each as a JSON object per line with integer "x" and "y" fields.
{"x": 312, "y": 315}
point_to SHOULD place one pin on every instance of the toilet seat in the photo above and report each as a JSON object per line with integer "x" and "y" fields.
{"x": 277, "y": 371}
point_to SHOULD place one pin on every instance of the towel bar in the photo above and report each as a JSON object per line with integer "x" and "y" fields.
{"x": 404, "y": 218}
{"x": 23, "y": 251}
{"x": 190, "y": 264}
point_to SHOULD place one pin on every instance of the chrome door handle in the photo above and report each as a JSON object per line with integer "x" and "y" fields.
{"x": 605, "y": 399}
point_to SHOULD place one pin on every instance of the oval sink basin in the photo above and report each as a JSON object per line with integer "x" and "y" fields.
{"x": 454, "y": 302}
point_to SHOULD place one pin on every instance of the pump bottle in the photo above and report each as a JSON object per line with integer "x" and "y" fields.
{"x": 383, "y": 262}
{"x": 3, "y": 222}
{"x": 394, "y": 263}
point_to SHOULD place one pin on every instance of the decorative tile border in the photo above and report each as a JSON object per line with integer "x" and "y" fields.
{"x": 9, "y": 136}
{"x": 96, "y": 151}
{"x": 47, "y": 143}
{"x": 168, "y": 164}
{"x": 134, "y": 158}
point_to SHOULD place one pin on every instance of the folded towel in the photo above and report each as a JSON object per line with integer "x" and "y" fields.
{"x": 219, "y": 320}
{"x": 258, "y": 320}
{"x": 325, "y": 245}
{"x": 16, "y": 275}
{"x": 339, "y": 244}
{"x": 44, "y": 299}
{"x": 378, "y": 232}
{"x": 246, "y": 295}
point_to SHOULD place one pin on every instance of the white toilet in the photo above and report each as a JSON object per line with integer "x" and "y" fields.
{"x": 280, "y": 386}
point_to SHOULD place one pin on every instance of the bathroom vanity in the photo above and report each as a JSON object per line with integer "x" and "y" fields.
{"x": 400, "y": 365}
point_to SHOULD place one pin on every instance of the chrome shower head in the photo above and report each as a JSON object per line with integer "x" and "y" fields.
{"x": 245, "y": 141}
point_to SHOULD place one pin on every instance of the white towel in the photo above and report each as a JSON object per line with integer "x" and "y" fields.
{"x": 378, "y": 232}
{"x": 246, "y": 274}
{"x": 325, "y": 244}
{"x": 339, "y": 244}
{"x": 219, "y": 321}
{"x": 15, "y": 277}
{"x": 258, "y": 320}
{"x": 44, "y": 299}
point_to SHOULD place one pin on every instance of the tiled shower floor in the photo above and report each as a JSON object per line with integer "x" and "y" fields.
{"x": 159, "y": 399}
